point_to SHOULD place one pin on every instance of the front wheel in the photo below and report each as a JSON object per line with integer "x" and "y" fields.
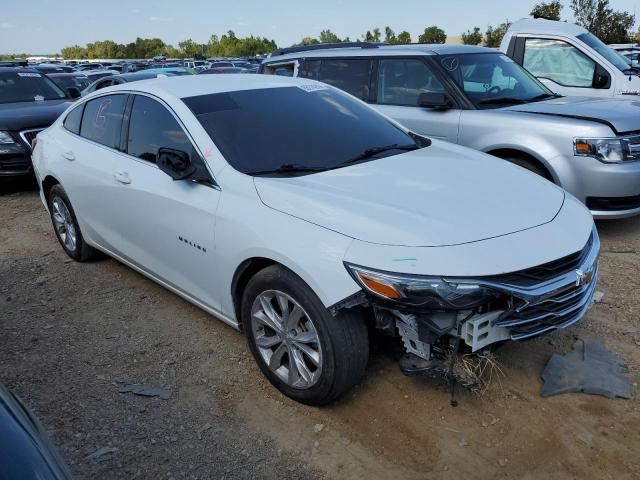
{"x": 305, "y": 352}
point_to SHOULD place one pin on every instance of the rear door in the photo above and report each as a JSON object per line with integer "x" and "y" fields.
{"x": 397, "y": 84}
{"x": 89, "y": 157}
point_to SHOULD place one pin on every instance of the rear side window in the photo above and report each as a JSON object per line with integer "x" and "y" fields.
{"x": 352, "y": 76}
{"x": 73, "y": 119}
{"x": 102, "y": 120}
{"x": 152, "y": 127}
{"x": 309, "y": 69}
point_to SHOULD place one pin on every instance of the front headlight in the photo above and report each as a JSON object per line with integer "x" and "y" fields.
{"x": 421, "y": 291}
{"x": 607, "y": 150}
{"x": 6, "y": 139}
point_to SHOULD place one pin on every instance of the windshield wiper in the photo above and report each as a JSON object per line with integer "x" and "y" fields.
{"x": 292, "y": 168}
{"x": 371, "y": 152}
{"x": 544, "y": 96}
{"x": 502, "y": 101}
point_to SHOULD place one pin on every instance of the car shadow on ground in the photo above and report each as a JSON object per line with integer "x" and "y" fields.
{"x": 14, "y": 186}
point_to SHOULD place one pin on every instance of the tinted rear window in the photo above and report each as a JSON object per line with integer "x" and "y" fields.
{"x": 27, "y": 87}
{"x": 72, "y": 122}
{"x": 258, "y": 130}
{"x": 102, "y": 120}
{"x": 352, "y": 76}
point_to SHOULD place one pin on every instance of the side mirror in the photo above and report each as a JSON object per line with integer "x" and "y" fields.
{"x": 601, "y": 78}
{"x": 73, "y": 92}
{"x": 175, "y": 163}
{"x": 437, "y": 101}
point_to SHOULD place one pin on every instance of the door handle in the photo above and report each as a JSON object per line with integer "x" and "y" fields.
{"x": 122, "y": 177}
{"x": 69, "y": 155}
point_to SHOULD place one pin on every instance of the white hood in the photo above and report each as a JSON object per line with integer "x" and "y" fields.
{"x": 440, "y": 195}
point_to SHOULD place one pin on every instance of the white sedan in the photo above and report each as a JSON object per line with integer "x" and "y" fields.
{"x": 295, "y": 212}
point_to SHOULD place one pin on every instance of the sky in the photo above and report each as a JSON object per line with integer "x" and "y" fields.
{"x": 45, "y": 26}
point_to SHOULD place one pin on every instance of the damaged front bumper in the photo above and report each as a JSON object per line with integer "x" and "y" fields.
{"x": 519, "y": 305}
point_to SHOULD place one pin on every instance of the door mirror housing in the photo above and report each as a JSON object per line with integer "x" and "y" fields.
{"x": 73, "y": 92}
{"x": 179, "y": 166}
{"x": 436, "y": 101}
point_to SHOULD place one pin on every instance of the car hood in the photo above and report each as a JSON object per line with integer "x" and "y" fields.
{"x": 621, "y": 114}
{"x": 24, "y": 115}
{"x": 440, "y": 195}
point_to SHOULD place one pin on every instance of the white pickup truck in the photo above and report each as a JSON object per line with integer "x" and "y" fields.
{"x": 570, "y": 60}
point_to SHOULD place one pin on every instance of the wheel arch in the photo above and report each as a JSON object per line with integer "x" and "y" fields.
{"x": 508, "y": 152}
{"x": 47, "y": 184}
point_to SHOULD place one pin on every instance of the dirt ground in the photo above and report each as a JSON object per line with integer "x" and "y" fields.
{"x": 72, "y": 334}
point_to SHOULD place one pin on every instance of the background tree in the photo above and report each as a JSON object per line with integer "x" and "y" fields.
{"x": 190, "y": 49}
{"x": 599, "y": 18}
{"x": 389, "y": 35}
{"x": 374, "y": 36}
{"x": 548, "y": 10}
{"x": 432, "y": 34}
{"x": 493, "y": 36}
{"x": 74, "y": 51}
{"x": 472, "y": 37}
{"x": 403, "y": 38}
{"x": 308, "y": 41}
{"x": 327, "y": 36}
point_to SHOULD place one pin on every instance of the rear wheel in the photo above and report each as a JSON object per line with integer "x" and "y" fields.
{"x": 66, "y": 226}
{"x": 304, "y": 351}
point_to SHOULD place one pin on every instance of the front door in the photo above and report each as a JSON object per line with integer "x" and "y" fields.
{"x": 167, "y": 226}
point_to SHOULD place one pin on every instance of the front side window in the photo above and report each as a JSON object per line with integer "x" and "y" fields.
{"x": 492, "y": 80}
{"x": 401, "y": 81}
{"x": 297, "y": 127}
{"x": 73, "y": 119}
{"x": 102, "y": 120}
{"x": 350, "y": 75}
{"x": 558, "y": 61}
{"x": 16, "y": 86}
{"x": 152, "y": 127}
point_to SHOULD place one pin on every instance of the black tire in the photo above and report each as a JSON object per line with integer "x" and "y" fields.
{"x": 343, "y": 339}
{"x": 531, "y": 166}
{"x": 78, "y": 250}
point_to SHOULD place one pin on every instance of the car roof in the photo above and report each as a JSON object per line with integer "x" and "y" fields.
{"x": 194, "y": 85}
{"x": 382, "y": 50}
{"x": 19, "y": 69}
{"x": 546, "y": 27}
{"x": 66, "y": 74}
{"x": 142, "y": 75}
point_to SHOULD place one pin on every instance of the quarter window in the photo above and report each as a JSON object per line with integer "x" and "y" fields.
{"x": 401, "y": 81}
{"x": 102, "y": 120}
{"x": 558, "y": 61}
{"x": 152, "y": 127}
{"x": 350, "y": 75}
{"x": 73, "y": 119}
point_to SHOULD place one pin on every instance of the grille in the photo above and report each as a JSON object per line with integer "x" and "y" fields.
{"x": 550, "y": 296}
{"x": 547, "y": 271}
{"x": 29, "y": 135}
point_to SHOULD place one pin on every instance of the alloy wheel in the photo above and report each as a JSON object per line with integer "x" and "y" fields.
{"x": 63, "y": 223}
{"x": 286, "y": 339}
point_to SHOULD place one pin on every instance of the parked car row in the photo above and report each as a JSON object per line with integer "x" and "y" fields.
{"x": 379, "y": 187}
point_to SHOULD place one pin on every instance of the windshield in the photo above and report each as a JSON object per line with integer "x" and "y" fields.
{"x": 298, "y": 128}
{"x": 16, "y": 86}
{"x": 492, "y": 80}
{"x": 619, "y": 61}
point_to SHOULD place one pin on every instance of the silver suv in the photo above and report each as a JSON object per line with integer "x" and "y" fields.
{"x": 482, "y": 99}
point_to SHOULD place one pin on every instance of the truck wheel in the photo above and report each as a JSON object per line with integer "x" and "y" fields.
{"x": 305, "y": 352}
{"x": 66, "y": 226}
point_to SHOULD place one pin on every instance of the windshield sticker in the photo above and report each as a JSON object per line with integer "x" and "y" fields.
{"x": 404, "y": 259}
{"x": 28, "y": 74}
{"x": 309, "y": 87}
{"x": 39, "y": 98}
{"x": 449, "y": 63}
